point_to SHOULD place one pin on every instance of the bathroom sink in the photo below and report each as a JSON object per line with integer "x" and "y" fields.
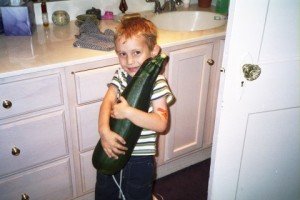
{"x": 188, "y": 20}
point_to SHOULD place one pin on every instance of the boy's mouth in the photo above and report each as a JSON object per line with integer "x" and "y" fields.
{"x": 133, "y": 69}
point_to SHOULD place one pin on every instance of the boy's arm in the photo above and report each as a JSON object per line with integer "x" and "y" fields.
{"x": 156, "y": 120}
{"x": 112, "y": 143}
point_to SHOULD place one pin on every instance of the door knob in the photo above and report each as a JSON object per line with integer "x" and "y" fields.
{"x": 6, "y": 104}
{"x": 251, "y": 72}
{"x": 15, "y": 151}
{"x": 25, "y": 196}
{"x": 210, "y": 62}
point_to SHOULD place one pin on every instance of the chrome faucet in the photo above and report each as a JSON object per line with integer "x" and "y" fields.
{"x": 170, "y": 5}
{"x": 157, "y": 6}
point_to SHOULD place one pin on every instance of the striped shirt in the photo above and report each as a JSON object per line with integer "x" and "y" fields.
{"x": 146, "y": 144}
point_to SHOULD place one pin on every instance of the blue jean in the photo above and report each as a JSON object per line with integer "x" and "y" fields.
{"x": 138, "y": 176}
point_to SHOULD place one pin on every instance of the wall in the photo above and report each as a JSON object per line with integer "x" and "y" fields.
{"x": 77, "y": 7}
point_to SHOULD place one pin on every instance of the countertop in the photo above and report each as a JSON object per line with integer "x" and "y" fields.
{"x": 52, "y": 47}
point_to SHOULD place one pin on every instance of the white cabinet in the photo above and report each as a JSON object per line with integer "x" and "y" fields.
{"x": 212, "y": 96}
{"x": 193, "y": 75}
{"x": 87, "y": 85}
{"x": 87, "y": 123}
{"x": 50, "y": 182}
{"x": 91, "y": 84}
{"x": 36, "y": 93}
{"x": 34, "y": 138}
{"x": 189, "y": 79}
{"x": 90, "y": 88}
{"x": 38, "y": 139}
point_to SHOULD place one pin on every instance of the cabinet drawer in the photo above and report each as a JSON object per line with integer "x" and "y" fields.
{"x": 87, "y": 117}
{"x": 88, "y": 172}
{"x": 48, "y": 183}
{"x": 91, "y": 85}
{"x": 30, "y": 95}
{"x": 39, "y": 139}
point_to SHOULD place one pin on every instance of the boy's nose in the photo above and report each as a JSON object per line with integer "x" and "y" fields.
{"x": 130, "y": 60}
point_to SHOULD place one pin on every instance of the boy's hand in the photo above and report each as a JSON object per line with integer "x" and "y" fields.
{"x": 121, "y": 109}
{"x": 113, "y": 144}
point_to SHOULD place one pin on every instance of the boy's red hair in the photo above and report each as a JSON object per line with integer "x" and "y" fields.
{"x": 137, "y": 26}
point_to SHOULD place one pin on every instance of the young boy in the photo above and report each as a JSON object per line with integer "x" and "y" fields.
{"x": 135, "y": 41}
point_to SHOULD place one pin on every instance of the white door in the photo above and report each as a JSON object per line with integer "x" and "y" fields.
{"x": 256, "y": 147}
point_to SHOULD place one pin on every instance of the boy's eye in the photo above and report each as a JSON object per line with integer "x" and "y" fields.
{"x": 137, "y": 52}
{"x": 122, "y": 54}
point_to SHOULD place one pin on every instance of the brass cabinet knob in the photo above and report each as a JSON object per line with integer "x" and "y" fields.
{"x": 6, "y": 104}
{"x": 15, "y": 151}
{"x": 25, "y": 196}
{"x": 210, "y": 62}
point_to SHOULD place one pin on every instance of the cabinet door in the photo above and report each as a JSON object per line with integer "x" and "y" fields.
{"x": 30, "y": 95}
{"x": 91, "y": 85}
{"x": 51, "y": 182}
{"x": 87, "y": 117}
{"x": 88, "y": 172}
{"x": 38, "y": 139}
{"x": 212, "y": 96}
{"x": 189, "y": 79}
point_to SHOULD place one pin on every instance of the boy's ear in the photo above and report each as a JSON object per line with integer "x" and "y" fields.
{"x": 156, "y": 50}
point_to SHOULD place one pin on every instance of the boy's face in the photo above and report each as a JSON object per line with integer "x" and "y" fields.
{"x": 132, "y": 52}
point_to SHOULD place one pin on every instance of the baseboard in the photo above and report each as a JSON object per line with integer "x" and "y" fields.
{"x": 182, "y": 162}
{"x": 89, "y": 196}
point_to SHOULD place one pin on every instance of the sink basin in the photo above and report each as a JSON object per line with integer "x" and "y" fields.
{"x": 188, "y": 20}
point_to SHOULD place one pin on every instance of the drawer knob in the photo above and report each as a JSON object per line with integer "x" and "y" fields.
{"x": 6, "y": 104}
{"x": 15, "y": 151}
{"x": 210, "y": 62}
{"x": 25, "y": 196}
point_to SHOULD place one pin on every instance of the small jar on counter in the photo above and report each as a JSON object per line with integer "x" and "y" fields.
{"x": 44, "y": 13}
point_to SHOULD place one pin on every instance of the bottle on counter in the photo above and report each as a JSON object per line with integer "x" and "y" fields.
{"x": 44, "y": 13}
{"x": 222, "y": 6}
{"x": 123, "y": 6}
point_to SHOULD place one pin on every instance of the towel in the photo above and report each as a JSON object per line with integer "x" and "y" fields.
{"x": 91, "y": 37}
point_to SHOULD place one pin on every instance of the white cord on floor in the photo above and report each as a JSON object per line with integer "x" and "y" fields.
{"x": 162, "y": 198}
{"x": 120, "y": 185}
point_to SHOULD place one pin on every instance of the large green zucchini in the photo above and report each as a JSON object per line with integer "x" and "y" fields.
{"x": 138, "y": 94}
